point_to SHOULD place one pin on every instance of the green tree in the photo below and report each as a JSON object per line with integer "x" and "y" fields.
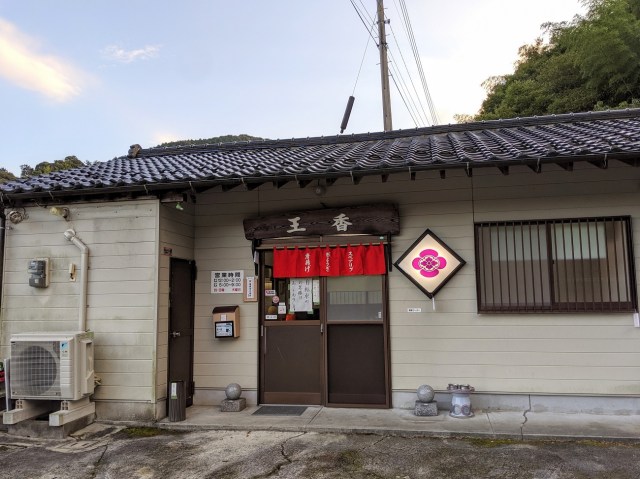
{"x": 45, "y": 167}
{"x": 213, "y": 140}
{"x": 590, "y": 63}
{"x": 6, "y": 175}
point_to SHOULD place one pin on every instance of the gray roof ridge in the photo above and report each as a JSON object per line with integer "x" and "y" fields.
{"x": 393, "y": 134}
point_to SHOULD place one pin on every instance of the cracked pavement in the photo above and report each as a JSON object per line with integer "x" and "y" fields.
{"x": 114, "y": 452}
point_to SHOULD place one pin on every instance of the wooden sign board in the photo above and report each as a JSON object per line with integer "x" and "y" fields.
{"x": 381, "y": 219}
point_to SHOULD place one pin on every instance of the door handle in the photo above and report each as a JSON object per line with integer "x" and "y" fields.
{"x": 321, "y": 328}
{"x": 175, "y": 334}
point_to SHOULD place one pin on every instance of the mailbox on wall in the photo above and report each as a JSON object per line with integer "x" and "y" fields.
{"x": 226, "y": 321}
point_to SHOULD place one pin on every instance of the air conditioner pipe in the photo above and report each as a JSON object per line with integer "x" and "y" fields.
{"x": 70, "y": 235}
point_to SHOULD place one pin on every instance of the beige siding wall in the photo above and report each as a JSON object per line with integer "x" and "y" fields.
{"x": 176, "y": 233}
{"x": 220, "y": 245}
{"x": 555, "y": 353}
{"x": 122, "y": 239}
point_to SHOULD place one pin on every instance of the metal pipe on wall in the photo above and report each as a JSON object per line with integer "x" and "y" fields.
{"x": 70, "y": 235}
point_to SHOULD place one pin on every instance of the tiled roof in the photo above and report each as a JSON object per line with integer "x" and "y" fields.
{"x": 560, "y": 139}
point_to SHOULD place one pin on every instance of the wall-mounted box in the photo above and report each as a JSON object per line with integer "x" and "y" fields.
{"x": 226, "y": 321}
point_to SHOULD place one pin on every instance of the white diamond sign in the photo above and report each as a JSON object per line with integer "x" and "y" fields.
{"x": 429, "y": 263}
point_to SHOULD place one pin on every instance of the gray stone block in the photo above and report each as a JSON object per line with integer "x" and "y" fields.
{"x": 426, "y": 408}
{"x": 233, "y": 405}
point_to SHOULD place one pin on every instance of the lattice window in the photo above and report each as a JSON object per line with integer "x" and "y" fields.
{"x": 579, "y": 265}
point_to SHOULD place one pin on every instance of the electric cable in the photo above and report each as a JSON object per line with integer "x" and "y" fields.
{"x": 414, "y": 47}
{"x": 412, "y": 99}
{"x": 362, "y": 20}
{"x": 406, "y": 67}
{"x": 404, "y": 101}
{"x": 404, "y": 90}
{"x": 416, "y": 55}
{"x": 362, "y": 61}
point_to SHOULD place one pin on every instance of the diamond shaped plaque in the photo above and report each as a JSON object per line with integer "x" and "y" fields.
{"x": 429, "y": 263}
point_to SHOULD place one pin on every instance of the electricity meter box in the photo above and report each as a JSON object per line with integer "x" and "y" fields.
{"x": 39, "y": 272}
{"x": 226, "y": 321}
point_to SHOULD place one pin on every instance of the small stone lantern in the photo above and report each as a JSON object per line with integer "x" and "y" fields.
{"x": 460, "y": 400}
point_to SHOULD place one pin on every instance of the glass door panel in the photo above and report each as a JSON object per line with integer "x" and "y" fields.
{"x": 357, "y": 366}
{"x": 354, "y": 298}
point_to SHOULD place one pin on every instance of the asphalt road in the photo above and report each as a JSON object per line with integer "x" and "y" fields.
{"x": 150, "y": 453}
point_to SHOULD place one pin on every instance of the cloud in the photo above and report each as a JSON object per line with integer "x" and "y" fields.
{"x": 119, "y": 54}
{"x": 158, "y": 138}
{"x": 23, "y": 65}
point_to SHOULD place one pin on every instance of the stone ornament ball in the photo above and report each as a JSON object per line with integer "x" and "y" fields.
{"x": 426, "y": 393}
{"x": 233, "y": 391}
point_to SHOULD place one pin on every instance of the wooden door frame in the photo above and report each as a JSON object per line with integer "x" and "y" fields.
{"x": 262, "y": 331}
{"x": 190, "y": 387}
{"x": 387, "y": 356}
{"x": 323, "y": 339}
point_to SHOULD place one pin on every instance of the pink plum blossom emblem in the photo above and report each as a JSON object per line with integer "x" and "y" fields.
{"x": 429, "y": 263}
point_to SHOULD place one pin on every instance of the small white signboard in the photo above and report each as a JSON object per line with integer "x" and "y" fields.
{"x": 227, "y": 282}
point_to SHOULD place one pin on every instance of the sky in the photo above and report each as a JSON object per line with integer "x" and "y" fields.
{"x": 91, "y": 78}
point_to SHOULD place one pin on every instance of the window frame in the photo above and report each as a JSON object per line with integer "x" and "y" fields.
{"x": 547, "y": 233}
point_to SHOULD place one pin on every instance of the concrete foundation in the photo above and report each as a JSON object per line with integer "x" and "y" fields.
{"x": 126, "y": 411}
{"x": 40, "y": 428}
{"x": 571, "y": 404}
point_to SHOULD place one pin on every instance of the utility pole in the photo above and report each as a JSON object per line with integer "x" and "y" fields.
{"x": 384, "y": 69}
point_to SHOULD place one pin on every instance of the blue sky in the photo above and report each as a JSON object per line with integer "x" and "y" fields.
{"x": 90, "y": 78}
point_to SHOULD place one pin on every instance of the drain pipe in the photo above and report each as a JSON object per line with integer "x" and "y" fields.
{"x": 70, "y": 235}
{"x": 3, "y": 228}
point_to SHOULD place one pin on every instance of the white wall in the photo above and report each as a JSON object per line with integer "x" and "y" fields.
{"x": 123, "y": 257}
{"x": 591, "y": 354}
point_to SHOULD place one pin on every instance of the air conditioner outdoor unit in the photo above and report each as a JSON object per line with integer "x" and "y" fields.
{"x": 52, "y": 366}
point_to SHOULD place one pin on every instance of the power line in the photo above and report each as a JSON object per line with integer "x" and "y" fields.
{"x": 414, "y": 104}
{"x": 416, "y": 55}
{"x": 404, "y": 88}
{"x": 361, "y": 63}
{"x": 404, "y": 101}
{"x": 355, "y": 7}
{"x": 415, "y": 90}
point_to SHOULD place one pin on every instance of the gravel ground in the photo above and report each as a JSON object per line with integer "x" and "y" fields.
{"x": 111, "y": 452}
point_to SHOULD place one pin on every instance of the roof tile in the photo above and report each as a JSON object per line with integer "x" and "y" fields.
{"x": 567, "y": 137}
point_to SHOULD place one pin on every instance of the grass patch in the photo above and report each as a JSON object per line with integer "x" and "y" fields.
{"x": 489, "y": 443}
{"x": 143, "y": 431}
{"x": 350, "y": 460}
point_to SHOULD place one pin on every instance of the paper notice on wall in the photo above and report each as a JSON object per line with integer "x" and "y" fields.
{"x": 301, "y": 294}
{"x": 316, "y": 291}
